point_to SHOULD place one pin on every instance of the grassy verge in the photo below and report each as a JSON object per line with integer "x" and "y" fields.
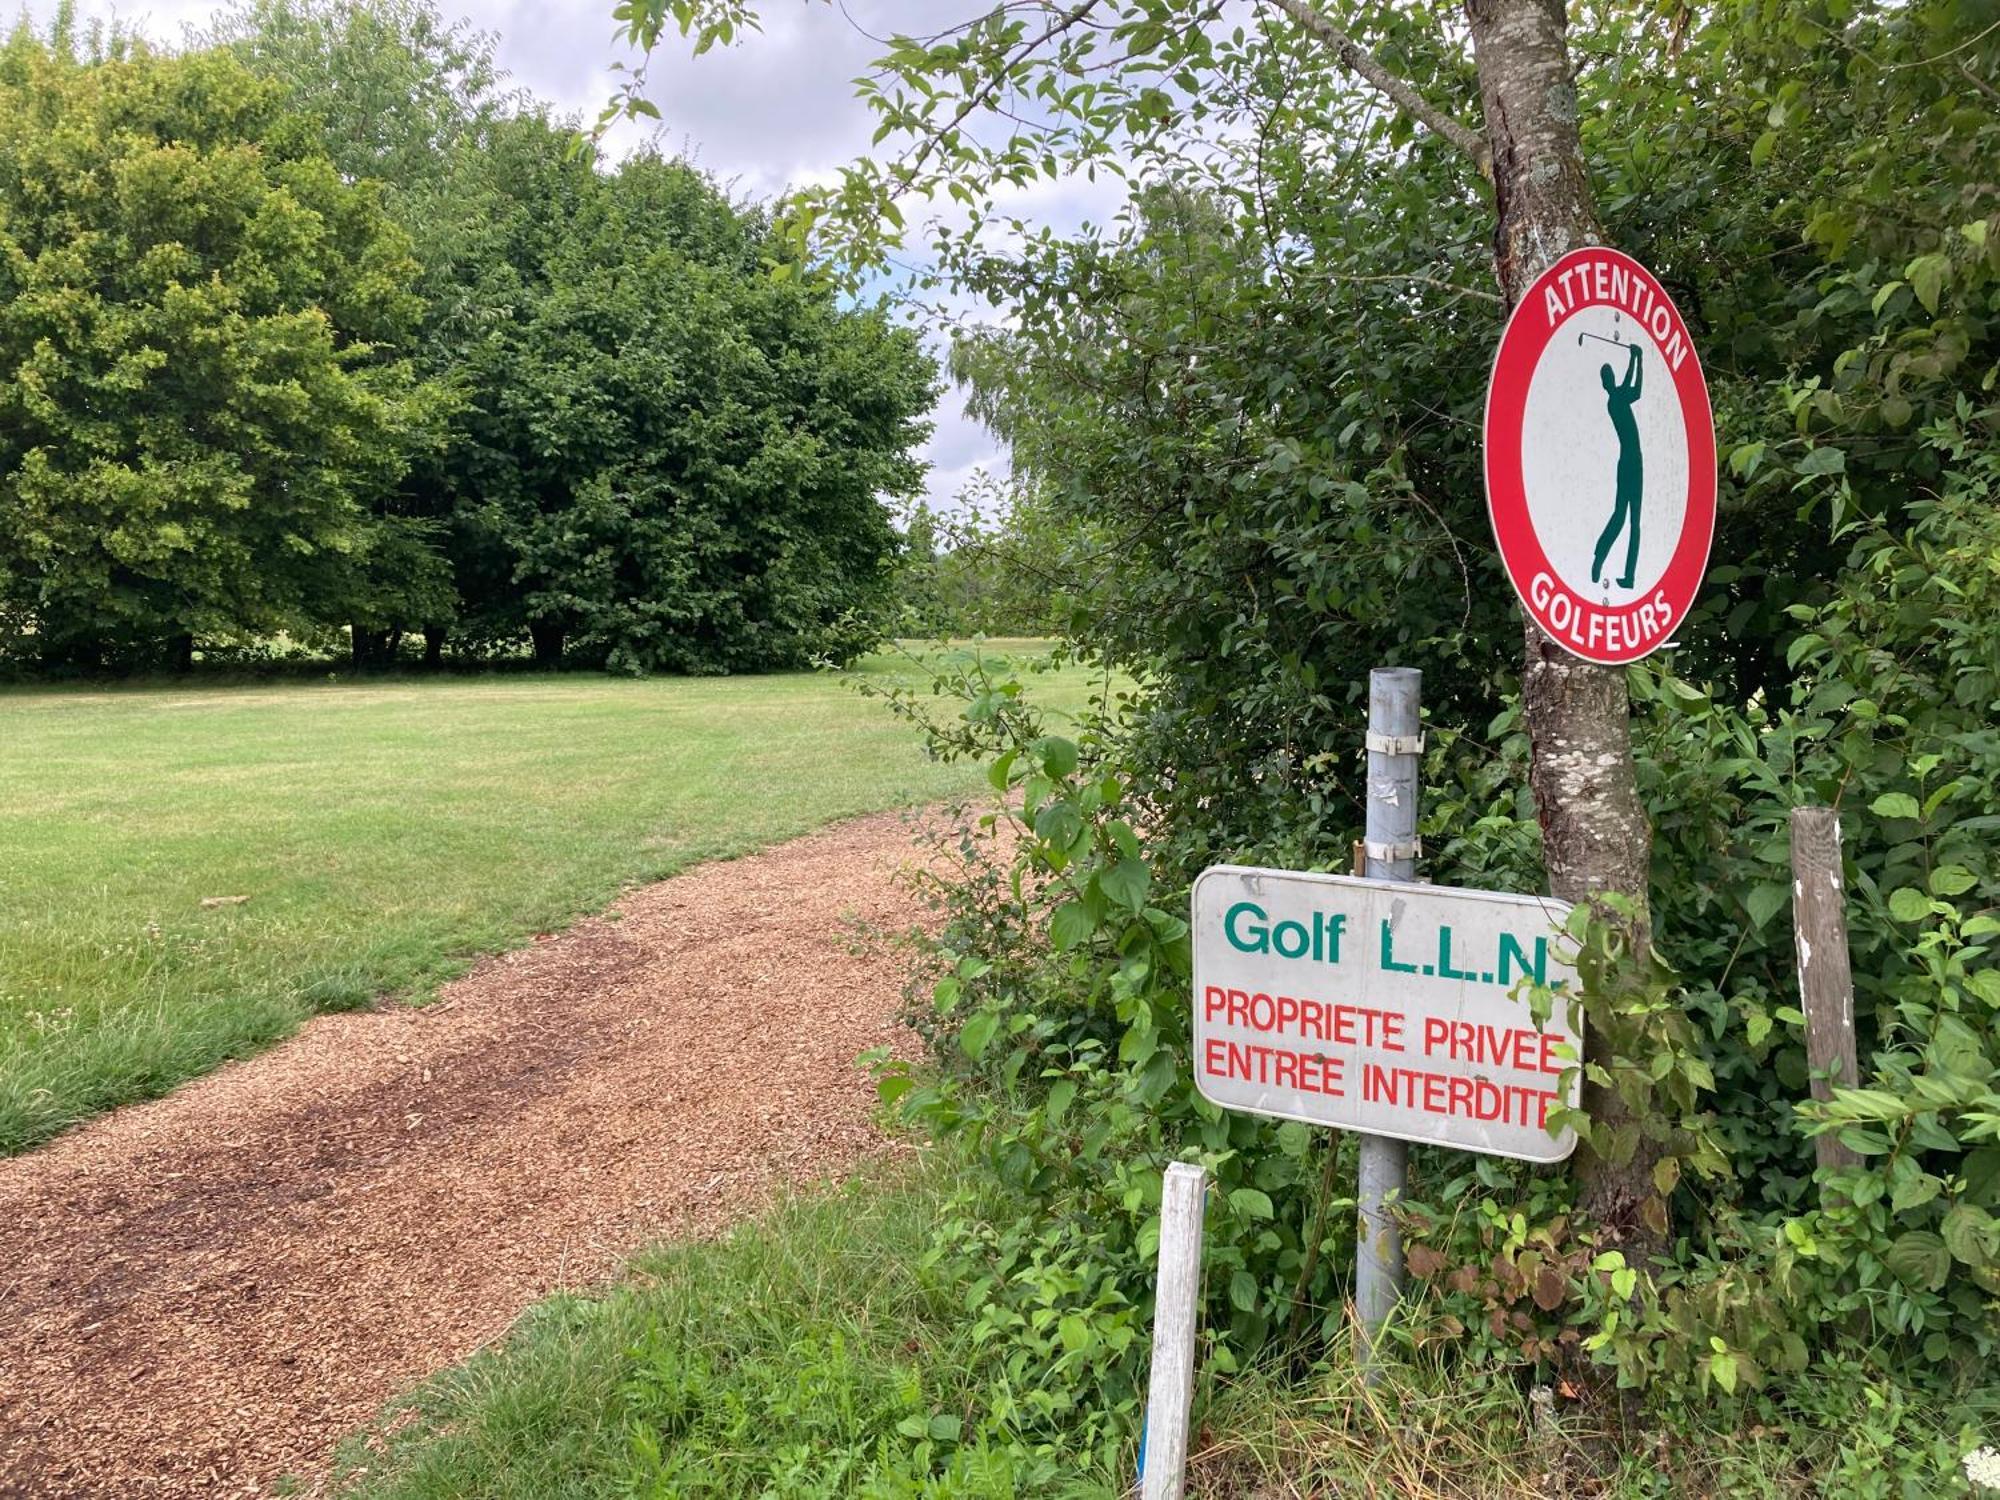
{"x": 822, "y": 1351}
{"x": 811, "y": 1353}
{"x": 383, "y": 833}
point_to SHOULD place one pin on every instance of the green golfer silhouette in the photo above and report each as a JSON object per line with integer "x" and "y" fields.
{"x": 1618, "y": 398}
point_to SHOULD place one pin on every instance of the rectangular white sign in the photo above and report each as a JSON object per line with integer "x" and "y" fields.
{"x": 1384, "y": 1007}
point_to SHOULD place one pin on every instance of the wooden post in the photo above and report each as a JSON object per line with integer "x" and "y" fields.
{"x": 1826, "y": 984}
{"x": 1163, "y": 1446}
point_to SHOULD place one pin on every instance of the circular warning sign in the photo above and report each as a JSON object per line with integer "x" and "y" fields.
{"x": 1600, "y": 457}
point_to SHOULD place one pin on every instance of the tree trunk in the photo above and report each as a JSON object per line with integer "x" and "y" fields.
{"x": 433, "y": 647}
{"x": 183, "y": 651}
{"x": 366, "y": 645}
{"x": 548, "y": 639}
{"x": 1595, "y": 836}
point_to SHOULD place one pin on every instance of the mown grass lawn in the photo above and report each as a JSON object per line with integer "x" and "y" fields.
{"x": 383, "y": 832}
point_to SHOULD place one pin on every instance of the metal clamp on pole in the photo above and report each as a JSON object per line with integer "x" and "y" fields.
{"x": 1394, "y": 744}
{"x": 1392, "y": 853}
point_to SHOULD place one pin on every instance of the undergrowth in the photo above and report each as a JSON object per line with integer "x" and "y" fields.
{"x": 825, "y": 1349}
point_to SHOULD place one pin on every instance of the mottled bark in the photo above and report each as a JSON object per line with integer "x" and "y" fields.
{"x": 1595, "y": 836}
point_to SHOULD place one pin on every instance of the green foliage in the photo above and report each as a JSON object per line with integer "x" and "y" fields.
{"x": 202, "y": 381}
{"x": 1256, "y": 401}
{"x": 674, "y": 460}
{"x": 361, "y": 340}
{"x": 965, "y": 575}
{"x": 816, "y": 1353}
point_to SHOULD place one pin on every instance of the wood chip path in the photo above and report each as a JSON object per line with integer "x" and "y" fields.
{"x": 202, "y": 1294}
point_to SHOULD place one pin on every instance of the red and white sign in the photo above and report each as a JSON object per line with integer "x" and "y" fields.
{"x": 1385, "y": 1007}
{"x": 1600, "y": 457}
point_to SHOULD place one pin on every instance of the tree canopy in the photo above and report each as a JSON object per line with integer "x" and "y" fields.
{"x": 203, "y": 363}
{"x": 360, "y": 339}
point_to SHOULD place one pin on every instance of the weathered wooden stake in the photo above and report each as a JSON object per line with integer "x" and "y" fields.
{"x": 1826, "y": 984}
{"x": 1395, "y": 762}
{"x": 1163, "y": 1447}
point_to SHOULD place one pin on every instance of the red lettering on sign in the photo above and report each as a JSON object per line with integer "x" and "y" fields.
{"x": 1455, "y": 1094}
{"x": 1275, "y": 1067}
{"x": 1519, "y": 1047}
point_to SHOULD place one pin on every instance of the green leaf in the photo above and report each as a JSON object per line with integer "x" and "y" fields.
{"x": 1001, "y": 772}
{"x": 1762, "y": 147}
{"x": 1723, "y": 1368}
{"x": 1075, "y": 1333}
{"x": 1059, "y": 1100}
{"x": 977, "y": 1034}
{"x": 1968, "y": 1233}
{"x": 1926, "y": 277}
{"x": 1888, "y": 290}
{"x": 1243, "y": 1291}
{"x": 1952, "y": 880}
{"x": 1763, "y": 903}
{"x": 1126, "y": 883}
{"x": 1058, "y": 756}
{"x": 1894, "y": 805}
{"x": 1909, "y": 905}
{"x": 1071, "y": 925}
{"x": 1919, "y": 1258}
{"x": 1914, "y": 1192}
{"x": 1251, "y": 1203}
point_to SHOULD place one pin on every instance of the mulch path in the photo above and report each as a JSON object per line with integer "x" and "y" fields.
{"x": 202, "y": 1294}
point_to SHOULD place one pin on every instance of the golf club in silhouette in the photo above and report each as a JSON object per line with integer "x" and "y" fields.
{"x": 1619, "y": 396}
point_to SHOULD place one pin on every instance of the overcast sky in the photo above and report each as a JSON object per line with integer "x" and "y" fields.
{"x": 776, "y": 109}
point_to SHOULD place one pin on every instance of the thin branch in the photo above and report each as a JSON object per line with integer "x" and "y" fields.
{"x": 1979, "y": 83}
{"x": 1358, "y": 60}
{"x": 1924, "y": 62}
{"x": 974, "y": 99}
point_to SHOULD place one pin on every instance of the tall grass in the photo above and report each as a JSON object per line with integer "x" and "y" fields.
{"x": 812, "y": 1353}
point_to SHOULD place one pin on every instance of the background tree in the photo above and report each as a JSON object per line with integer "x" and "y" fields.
{"x": 201, "y": 366}
{"x": 661, "y": 459}
{"x": 402, "y": 97}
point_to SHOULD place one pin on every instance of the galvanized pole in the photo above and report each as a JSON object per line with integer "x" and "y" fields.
{"x": 1395, "y": 746}
{"x": 1163, "y": 1445}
